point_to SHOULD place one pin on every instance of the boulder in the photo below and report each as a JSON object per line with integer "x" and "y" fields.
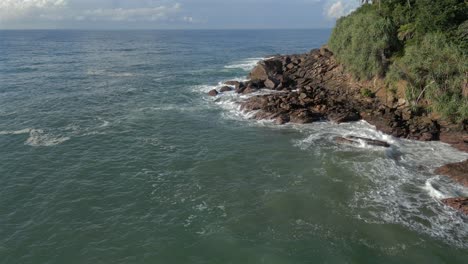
{"x": 232, "y": 83}
{"x": 324, "y": 51}
{"x": 271, "y": 83}
{"x": 254, "y": 103}
{"x": 250, "y": 89}
{"x": 348, "y": 116}
{"x": 303, "y": 116}
{"x": 265, "y": 69}
{"x": 225, "y": 89}
{"x": 282, "y": 119}
{"x": 237, "y": 85}
{"x": 213, "y": 92}
{"x": 457, "y": 171}
{"x": 460, "y": 204}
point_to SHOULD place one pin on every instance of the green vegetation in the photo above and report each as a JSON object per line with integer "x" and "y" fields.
{"x": 367, "y": 93}
{"x": 421, "y": 42}
{"x": 363, "y": 42}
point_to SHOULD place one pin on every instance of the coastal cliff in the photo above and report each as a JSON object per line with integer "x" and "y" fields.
{"x": 314, "y": 87}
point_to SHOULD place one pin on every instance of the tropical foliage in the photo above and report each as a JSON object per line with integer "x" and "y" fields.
{"x": 422, "y": 42}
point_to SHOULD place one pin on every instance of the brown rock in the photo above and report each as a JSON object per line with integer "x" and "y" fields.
{"x": 213, "y": 93}
{"x": 458, "y": 140}
{"x": 265, "y": 69}
{"x": 271, "y": 83}
{"x": 303, "y": 117}
{"x": 349, "y": 116}
{"x": 372, "y": 142}
{"x": 282, "y": 119}
{"x": 232, "y": 83}
{"x": 225, "y": 89}
{"x": 460, "y": 204}
{"x": 457, "y": 171}
{"x": 249, "y": 89}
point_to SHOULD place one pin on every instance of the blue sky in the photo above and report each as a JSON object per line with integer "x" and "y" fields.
{"x": 172, "y": 14}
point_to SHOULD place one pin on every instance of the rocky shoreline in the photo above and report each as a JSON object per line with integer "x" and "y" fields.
{"x": 313, "y": 87}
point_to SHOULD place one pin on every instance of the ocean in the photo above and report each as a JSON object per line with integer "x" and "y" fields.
{"x": 112, "y": 152}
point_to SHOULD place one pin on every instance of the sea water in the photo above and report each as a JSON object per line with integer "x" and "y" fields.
{"x": 111, "y": 152}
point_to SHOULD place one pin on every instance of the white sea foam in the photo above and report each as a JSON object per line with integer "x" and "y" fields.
{"x": 435, "y": 191}
{"x": 37, "y": 138}
{"x": 16, "y": 132}
{"x": 246, "y": 64}
{"x": 401, "y": 187}
{"x": 110, "y": 74}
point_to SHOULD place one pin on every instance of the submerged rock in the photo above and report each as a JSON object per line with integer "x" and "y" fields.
{"x": 213, "y": 92}
{"x": 368, "y": 141}
{"x": 457, "y": 171}
{"x": 460, "y": 204}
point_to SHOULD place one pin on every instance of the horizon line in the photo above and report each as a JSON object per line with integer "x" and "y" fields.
{"x": 155, "y": 29}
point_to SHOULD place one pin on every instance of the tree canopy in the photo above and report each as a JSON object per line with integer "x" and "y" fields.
{"x": 422, "y": 42}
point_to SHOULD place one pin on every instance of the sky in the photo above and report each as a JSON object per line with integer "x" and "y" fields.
{"x": 172, "y": 14}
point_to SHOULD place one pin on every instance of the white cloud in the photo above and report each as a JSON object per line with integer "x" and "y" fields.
{"x": 336, "y": 9}
{"x": 130, "y": 14}
{"x": 17, "y": 9}
{"x": 188, "y": 19}
{"x": 61, "y": 11}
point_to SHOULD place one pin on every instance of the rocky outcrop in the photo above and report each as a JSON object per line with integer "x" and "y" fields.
{"x": 313, "y": 87}
{"x": 459, "y": 204}
{"x": 459, "y": 173}
{"x": 456, "y": 171}
{"x": 267, "y": 69}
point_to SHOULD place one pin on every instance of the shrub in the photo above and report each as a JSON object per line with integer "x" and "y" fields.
{"x": 363, "y": 41}
{"x": 435, "y": 69}
{"x": 367, "y": 93}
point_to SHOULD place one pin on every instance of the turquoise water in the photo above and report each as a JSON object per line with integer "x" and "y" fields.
{"x": 111, "y": 152}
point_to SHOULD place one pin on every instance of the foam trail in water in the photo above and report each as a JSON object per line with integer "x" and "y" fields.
{"x": 110, "y": 74}
{"x": 246, "y": 64}
{"x": 37, "y": 138}
{"x": 399, "y": 186}
{"x": 17, "y": 132}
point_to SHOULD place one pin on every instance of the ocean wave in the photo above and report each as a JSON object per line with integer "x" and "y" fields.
{"x": 55, "y": 136}
{"x": 110, "y": 74}
{"x": 401, "y": 187}
{"x": 246, "y": 64}
{"x": 398, "y": 185}
{"x": 40, "y": 138}
{"x": 16, "y": 132}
